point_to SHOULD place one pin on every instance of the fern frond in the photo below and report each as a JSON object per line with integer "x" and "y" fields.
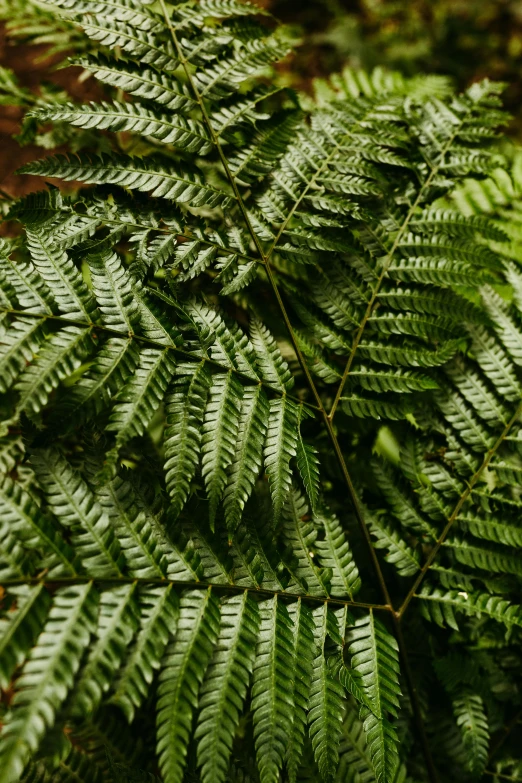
{"x": 230, "y": 347}
{"x": 219, "y": 436}
{"x": 143, "y": 551}
{"x": 35, "y": 530}
{"x": 497, "y": 559}
{"x": 403, "y": 557}
{"x": 69, "y": 291}
{"x": 471, "y": 719}
{"x": 326, "y": 712}
{"x": 162, "y": 88}
{"x": 274, "y": 369}
{"x": 495, "y": 364}
{"x": 280, "y": 447}
{"x": 19, "y": 344}
{"x": 439, "y": 606}
{"x": 74, "y": 504}
{"x": 375, "y": 657}
{"x": 158, "y": 616}
{"x": 335, "y": 556}
{"x": 185, "y": 407}
{"x": 143, "y": 175}
{"x": 355, "y": 764}
{"x": 300, "y": 534}
{"x": 19, "y": 630}
{"x": 113, "y": 291}
{"x": 113, "y": 364}
{"x": 22, "y": 284}
{"x": 139, "y": 398}
{"x": 308, "y": 464}
{"x": 225, "y": 685}
{"x": 124, "y": 10}
{"x": 47, "y": 676}
{"x": 58, "y": 357}
{"x": 247, "y": 460}
{"x": 187, "y": 135}
{"x": 135, "y": 42}
{"x": 186, "y": 660}
{"x": 144, "y": 320}
{"x": 272, "y": 696}
{"x": 304, "y": 647}
{"x": 454, "y": 223}
{"x": 116, "y": 626}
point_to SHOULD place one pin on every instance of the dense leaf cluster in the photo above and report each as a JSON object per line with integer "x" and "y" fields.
{"x": 198, "y": 356}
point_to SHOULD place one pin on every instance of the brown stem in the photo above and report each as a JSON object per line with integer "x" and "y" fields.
{"x": 159, "y": 582}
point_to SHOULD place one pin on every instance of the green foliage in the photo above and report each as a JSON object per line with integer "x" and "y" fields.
{"x": 197, "y": 356}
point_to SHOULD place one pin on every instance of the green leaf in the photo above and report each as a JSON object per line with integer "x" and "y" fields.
{"x": 137, "y": 401}
{"x": 272, "y": 690}
{"x": 65, "y": 281}
{"x": 143, "y": 175}
{"x": 47, "y": 677}
{"x": 117, "y": 624}
{"x": 219, "y": 436}
{"x": 19, "y": 629}
{"x": 162, "y": 88}
{"x": 304, "y": 655}
{"x": 74, "y": 504}
{"x": 405, "y": 558}
{"x": 25, "y": 286}
{"x": 308, "y": 464}
{"x": 185, "y": 405}
{"x": 135, "y": 530}
{"x": 248, "y": 455}
{"x": 300, "y": 535}
{"x": 468, "y": 709}
{"x": 440, "y": 605}
{"x": 59, "y": 356}
{"x": 112, "y": 366}
{"x": 184, "y": 665}
{"x": 19, "y": 345}
{"x": 274, "y": 370}
{"x": 280, "y": 447}
{"x": 135, "y": 42}
{"x": 113, "y": 291}
{"x": 229, "y": 346}
{"x": 225, "y": 686}
{"x": 35, "y": 530}
{"x": 189, "y": 135}
{"x": 326, "y": 704}
{"x": 374, "y": 656}
{"x": 158, "y": 616}
{"x": 335, "y": 555}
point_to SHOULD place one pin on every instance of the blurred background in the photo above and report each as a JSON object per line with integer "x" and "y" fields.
{"x": 466, "y": 40}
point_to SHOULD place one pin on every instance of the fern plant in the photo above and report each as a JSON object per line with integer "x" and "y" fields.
{"x": 199, "y": 355}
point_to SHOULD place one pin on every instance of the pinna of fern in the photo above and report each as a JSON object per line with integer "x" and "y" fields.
{"x": 173, "y": 553}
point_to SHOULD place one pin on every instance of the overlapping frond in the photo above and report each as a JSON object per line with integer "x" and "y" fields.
{"x": 170, "y": 341}
{"x": 374, "y": 655}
